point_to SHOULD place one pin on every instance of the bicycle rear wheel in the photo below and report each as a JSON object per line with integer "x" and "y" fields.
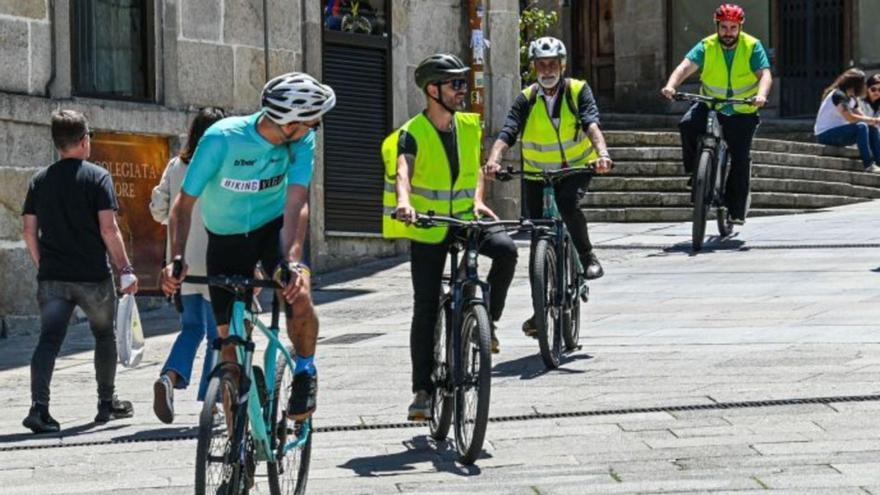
{"x": 289, "y": 474}
{"x": 218, "y": 466}
{"x": 472, "y": 394}
{"x": 702, "y": 199}
{"x": 571, "y": 324}
{"x": 441, "y": 415}
{"x": 544, "y": 289}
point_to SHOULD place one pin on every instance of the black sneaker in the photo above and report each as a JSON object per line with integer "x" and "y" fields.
{"x": 303, "y": 396}
{"x": 39, "y": 420}
{"x": 113, "y": 409}
{"x": 593, "y": 269}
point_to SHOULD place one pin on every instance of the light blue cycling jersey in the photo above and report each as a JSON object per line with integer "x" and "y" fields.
{"x": 241, "y": 179}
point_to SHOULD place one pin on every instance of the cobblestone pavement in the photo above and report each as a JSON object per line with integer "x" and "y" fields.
{"x": 771, "y": 336}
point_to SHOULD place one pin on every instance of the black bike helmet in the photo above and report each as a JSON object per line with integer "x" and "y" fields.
{"x": 439, "y": 67}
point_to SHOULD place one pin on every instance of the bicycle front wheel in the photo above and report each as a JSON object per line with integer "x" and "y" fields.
{"x": 702, "y": 199}
{"x": 441, "y": 414}
{"x": 544, "y": 288}
{"x": 472, "y": 394}
{"x": 218, "y": 466}
{"x": 289, "y": 473}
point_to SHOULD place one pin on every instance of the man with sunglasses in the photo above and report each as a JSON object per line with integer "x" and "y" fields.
{"x": 252, "y": 176}
{"x": 432, "y": 163}
{"x": 559, "y": 122}
{"x": 69, "y": 221}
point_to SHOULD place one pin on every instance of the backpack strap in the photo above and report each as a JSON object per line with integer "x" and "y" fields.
{"x": 533, "y": 97}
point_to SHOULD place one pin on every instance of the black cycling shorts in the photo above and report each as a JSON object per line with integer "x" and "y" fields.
{"x": 238, "y": 254}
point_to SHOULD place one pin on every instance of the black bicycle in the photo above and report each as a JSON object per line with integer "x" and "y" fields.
{"x": 710, "y": 178}
{"x": 462, "y": 340}
{"x": 555, "y": 271}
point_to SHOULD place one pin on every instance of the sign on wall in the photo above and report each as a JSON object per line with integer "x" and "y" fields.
{"x": 136, "y": 163}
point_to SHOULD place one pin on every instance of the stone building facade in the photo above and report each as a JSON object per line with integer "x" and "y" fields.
{"x": 211, "y": 53}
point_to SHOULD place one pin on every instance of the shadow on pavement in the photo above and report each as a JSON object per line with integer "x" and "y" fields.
{"x": 531, "y": 366}
{"x": 160, "y": 434}
{"x": 324, "y": 296}
{"x": 419, "y": 450}
{"x": 71, "y": 432}
{"x": 713, "y": 243}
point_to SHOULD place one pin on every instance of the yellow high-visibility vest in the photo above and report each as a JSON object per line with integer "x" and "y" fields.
{"x": 431, "y": 186}
{"x": 737, "y": 82}
{"x": 543, "y": 148}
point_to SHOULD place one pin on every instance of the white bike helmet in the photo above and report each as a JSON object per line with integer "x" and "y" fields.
{"x": 547, "y": 47}
{"x": 296, "y": 97}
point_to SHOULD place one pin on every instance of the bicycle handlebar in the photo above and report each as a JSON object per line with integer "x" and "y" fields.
{"x": 431, "y": 220}
{"x": 712, "y": 100}
{"x": 232, "y": 281}
{"x": 546, "y": 175}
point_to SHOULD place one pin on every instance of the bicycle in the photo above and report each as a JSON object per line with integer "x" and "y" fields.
{"x": 557, "y": 312}
{"x": 710, "y": 178}
{"x": 462, "y": 380}
{"x": 252, "y": 430}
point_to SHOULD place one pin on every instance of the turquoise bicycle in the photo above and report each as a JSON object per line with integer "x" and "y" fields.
{"x": 241, "y": 422}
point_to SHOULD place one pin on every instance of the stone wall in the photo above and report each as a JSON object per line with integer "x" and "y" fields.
{"x": 639, "y": 61}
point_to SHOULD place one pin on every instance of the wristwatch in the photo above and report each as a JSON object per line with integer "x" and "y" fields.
{"x": 127, "y": 270}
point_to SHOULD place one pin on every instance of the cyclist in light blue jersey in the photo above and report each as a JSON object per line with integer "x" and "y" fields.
{"x": 251, "y": 175}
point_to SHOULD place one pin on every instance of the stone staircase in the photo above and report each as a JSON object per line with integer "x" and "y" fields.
{"x": 648, "y": 185}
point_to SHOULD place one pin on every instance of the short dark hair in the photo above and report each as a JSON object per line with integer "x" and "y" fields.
{"x": 68, "y": 128}
{"x": 204, "y": 119}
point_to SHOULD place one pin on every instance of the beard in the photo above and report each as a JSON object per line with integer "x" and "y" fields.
{"x": 548, "y": 82}
{"x": 454, "y": 103}
{"x": 728, "y": 41}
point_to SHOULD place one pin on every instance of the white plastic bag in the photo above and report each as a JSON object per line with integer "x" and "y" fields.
{"x": 129, "y": 333}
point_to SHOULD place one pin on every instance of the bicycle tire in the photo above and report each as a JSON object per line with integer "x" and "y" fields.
{"x": 471, "y": 422}
{"x": 702, "y": 199}
{"x": 571, "y": 324}
{"x": 544, "y": 289}
{"x": 442, "y": 402}
{"x": 289, "y": 474}
{"x": 209, "y": 432}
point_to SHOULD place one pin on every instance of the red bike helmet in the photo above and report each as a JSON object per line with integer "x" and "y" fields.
{"x": 730, "y": 12}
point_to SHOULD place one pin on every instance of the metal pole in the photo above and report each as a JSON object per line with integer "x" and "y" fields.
{"x": 266, "y": 38}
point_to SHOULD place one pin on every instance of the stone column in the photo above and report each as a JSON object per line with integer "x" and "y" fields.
{"x": 312, "y": 23}
{"x": 502, "y": 87}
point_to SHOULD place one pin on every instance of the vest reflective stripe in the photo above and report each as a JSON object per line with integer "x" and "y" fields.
{"x": 739, "y": 81}
{"x": 540, "y": 142}
{"x": 431, "y": 187}
{"x": 557, "y": 165}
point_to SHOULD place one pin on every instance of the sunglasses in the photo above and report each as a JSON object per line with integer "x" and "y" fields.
{"x": 874, "y": 89}
{"x": 90, "y": 134}
{"x": 457, "y": 84}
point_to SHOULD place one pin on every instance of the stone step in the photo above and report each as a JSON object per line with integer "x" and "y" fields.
{"x": 667, "y": 154}
{"x": 682, "y": 199}
{"x": 670, "y": 214}
{"x": 650, "y": 139}
{"x": 674, "y": 169}
{"x": 760, "y": 184}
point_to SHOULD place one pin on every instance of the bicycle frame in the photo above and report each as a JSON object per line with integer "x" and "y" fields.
{"x": 713, "y": 139}
{"x": 458, "y": 282}
{"x": 260, "y": 418}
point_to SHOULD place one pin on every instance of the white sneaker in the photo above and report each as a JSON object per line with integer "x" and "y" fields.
{"x": 163, "y": 399}
{"x": 873, "y": 169}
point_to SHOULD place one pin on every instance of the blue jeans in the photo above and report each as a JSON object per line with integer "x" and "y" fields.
{"x": 196, "y": 322}
{"x": 866, "y": 136}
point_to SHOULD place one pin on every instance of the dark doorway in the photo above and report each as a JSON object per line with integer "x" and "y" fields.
{"x": 811, "y": 49}
{"x": 593, "y": 47}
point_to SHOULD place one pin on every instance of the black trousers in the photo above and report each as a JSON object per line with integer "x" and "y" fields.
{"x": 567, "y": 201}
{"x": 57, "y": 301}
{"x": 738, "y": 132}
{"x": 428, "y": 263}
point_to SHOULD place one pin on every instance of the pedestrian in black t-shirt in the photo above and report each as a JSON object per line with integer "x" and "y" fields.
{"x": 69, "y": 222}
